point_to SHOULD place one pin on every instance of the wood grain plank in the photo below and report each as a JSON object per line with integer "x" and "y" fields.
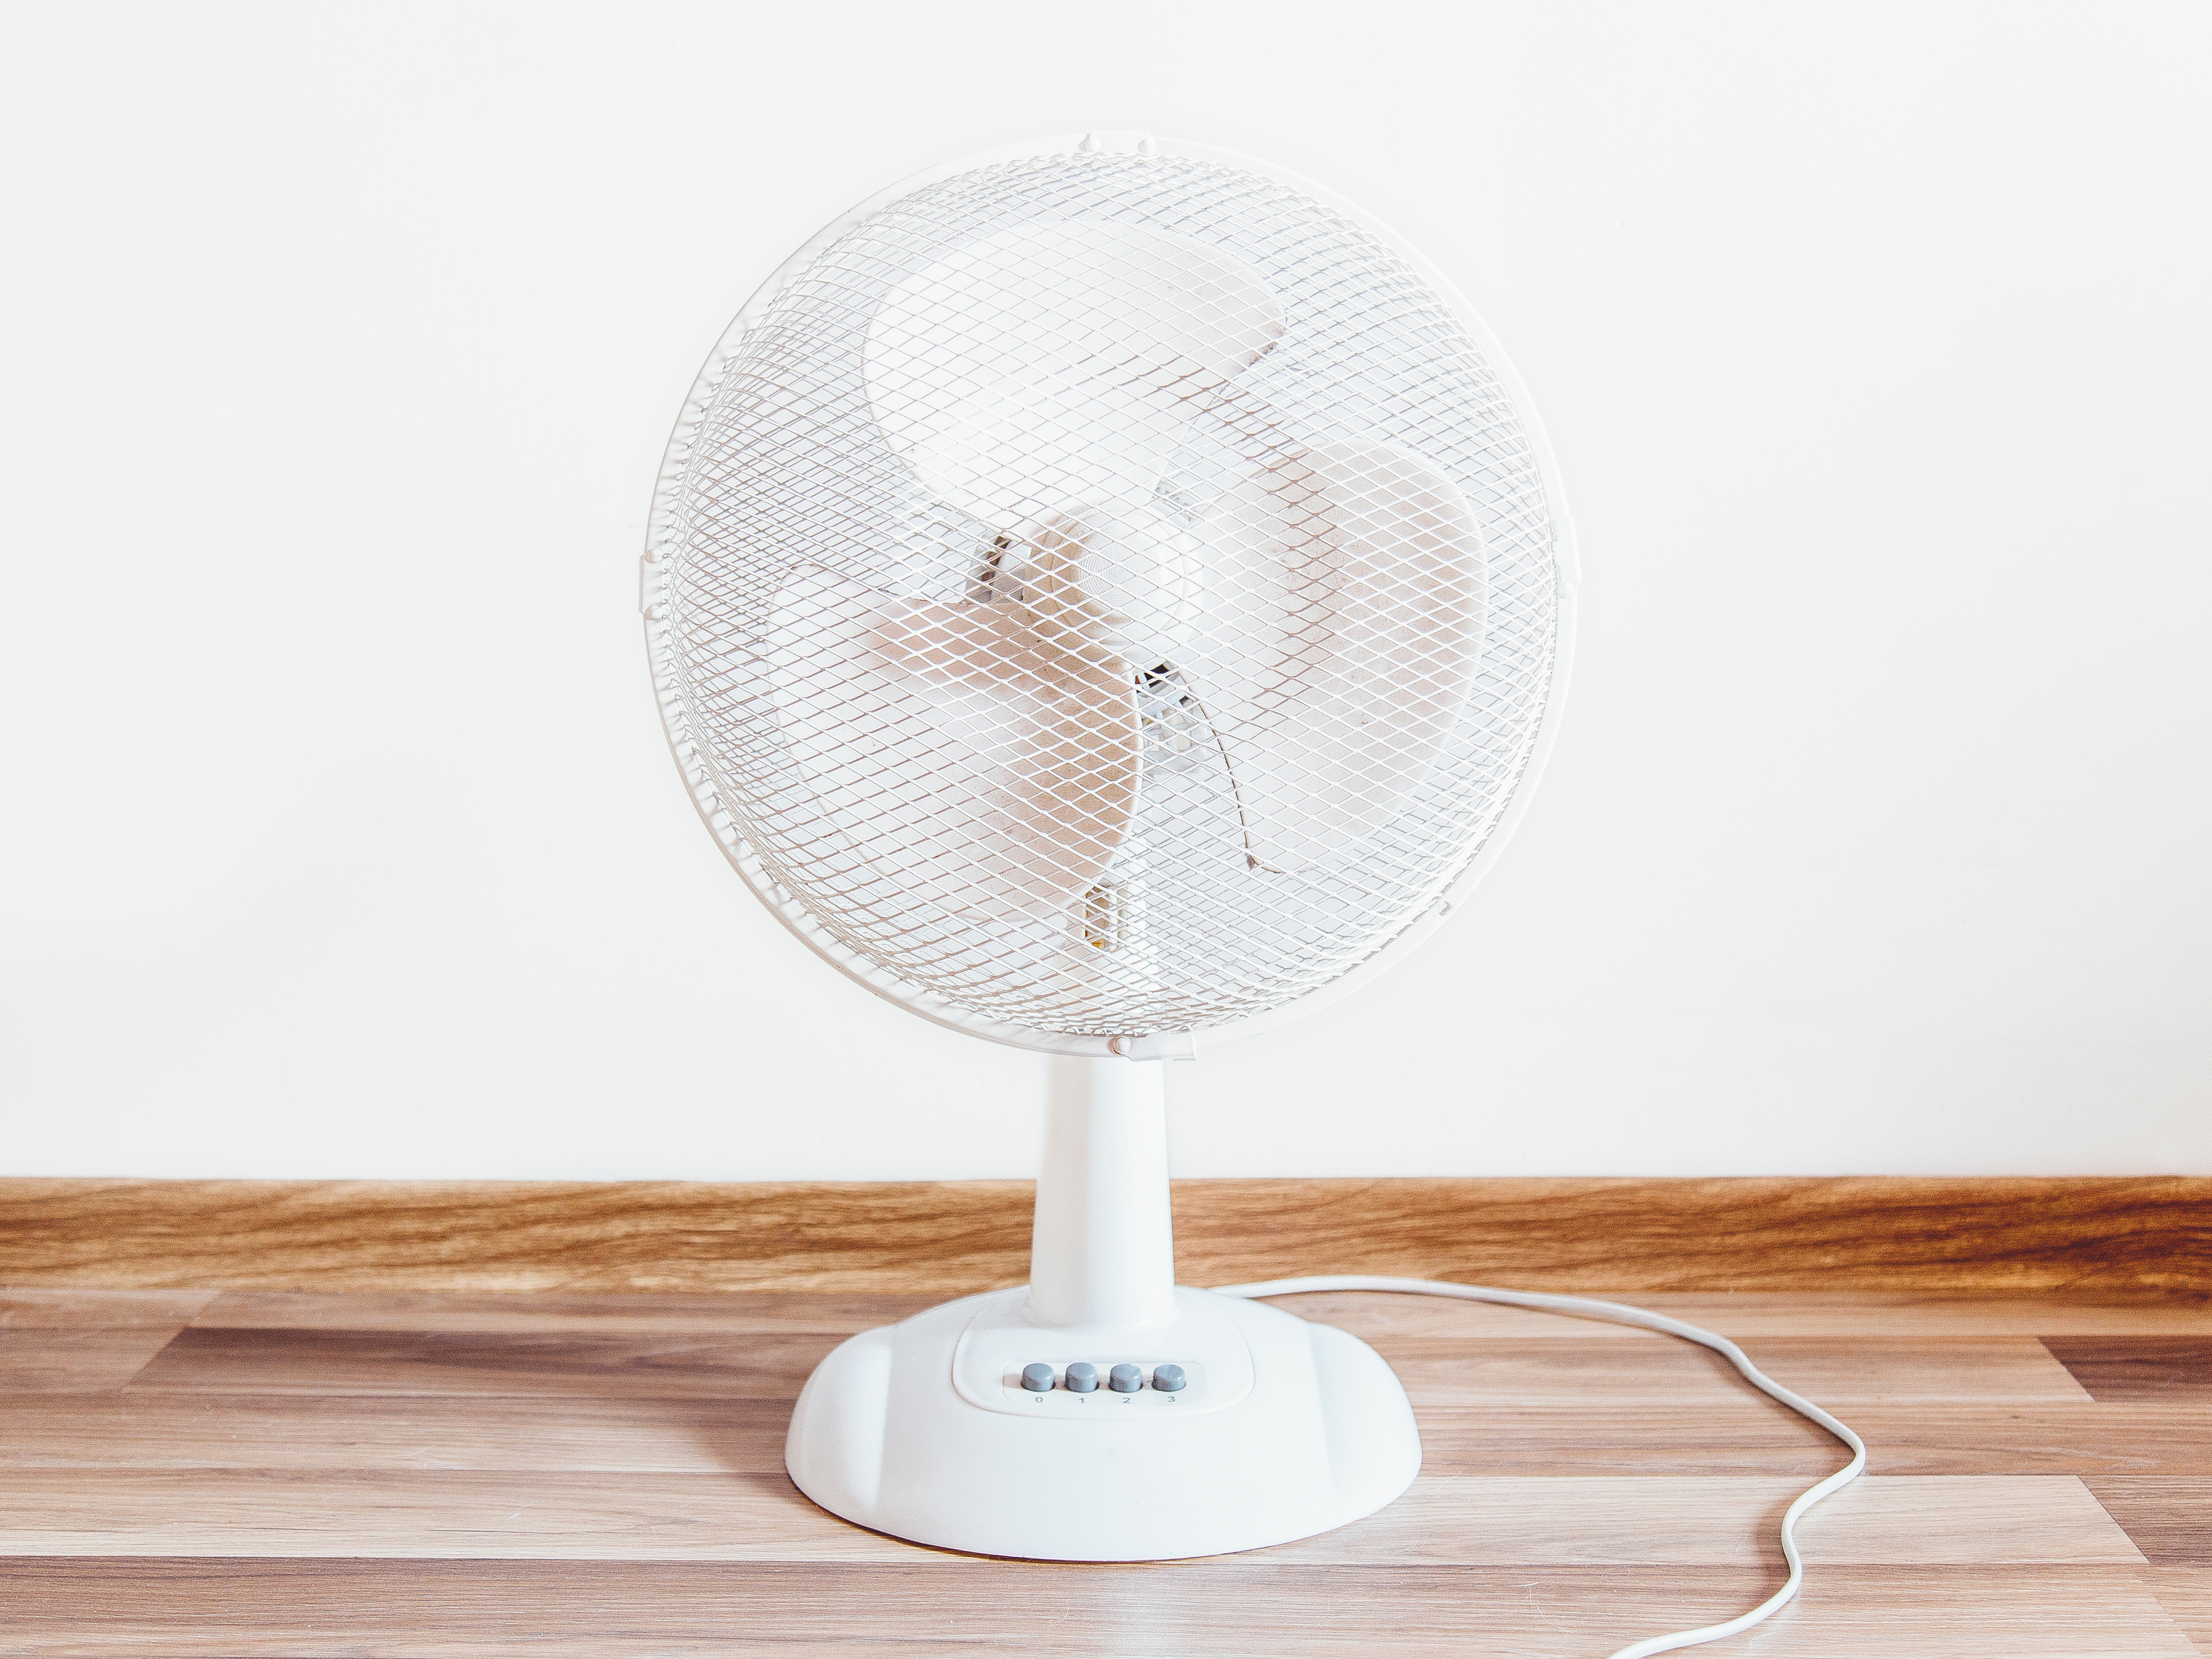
{"x": 1442, "y": 1374}
{"x": 1590, "y": 1521}
{"x": 80, "y": 1360}
{"x": 72, "y": 1309}
{"x": 308, "y": 1431}
{"x": 1878, "y": 1233}
{"x": 586, "y": 1365}
{"x": 291, "y": 1609}
{"x": 156, "y": 1429}
{"x": 2169, "y": 1516}
{"x": 2185, "y": 1592}
{"x": 1368, "y": 1313}
{"x": 1865, "y": 1314}
{"x": 1755, "y": 1234}
{"x": 1439, "y": 1374}
{"x": 1752, "y": 1437}
{"x": 637, "y": 1516}
{"x": 423, "y": 1311}
{"x": 72, "y": 1338}
{"x": 933, "y": 1237}
{"x": 1474, "y": 1521}
{"x": 2118, "y": 1368}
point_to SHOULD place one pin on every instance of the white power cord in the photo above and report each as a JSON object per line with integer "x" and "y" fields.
{"x": 1621, "y": 1314}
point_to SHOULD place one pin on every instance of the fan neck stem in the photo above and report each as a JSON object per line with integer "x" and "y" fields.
{"x": 1102, "y": 1251}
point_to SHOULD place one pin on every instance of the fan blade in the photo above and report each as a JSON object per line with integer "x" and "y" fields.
{"x": 1342, "y": 634}
{"x": 1012, "y": 453}
{"x": 1052, "y": 361}
{"x": 963, "y": 755}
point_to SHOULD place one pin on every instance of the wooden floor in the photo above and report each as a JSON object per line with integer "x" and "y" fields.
{"x": 305, "y": 1473}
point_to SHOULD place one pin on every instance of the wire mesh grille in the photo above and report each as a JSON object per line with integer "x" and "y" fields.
{"x": 1110, "y": 592}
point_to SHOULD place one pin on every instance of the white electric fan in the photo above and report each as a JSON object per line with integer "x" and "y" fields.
{"x": 1104, "y": 596}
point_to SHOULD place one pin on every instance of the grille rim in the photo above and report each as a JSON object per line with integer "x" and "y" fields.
{"x": 790, "y": 910}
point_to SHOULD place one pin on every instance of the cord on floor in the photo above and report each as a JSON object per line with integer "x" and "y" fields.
{"x": 1620, "y": 1313}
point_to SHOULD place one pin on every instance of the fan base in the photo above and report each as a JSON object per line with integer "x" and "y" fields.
{"x": 923, "y": 1429}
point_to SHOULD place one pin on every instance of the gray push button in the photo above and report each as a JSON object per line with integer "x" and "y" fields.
{"x": 1037, "y": 1378}
{"x": 1168, "y": 1378}
{"x": 1126, "y": 1379}
{"x": 1083, "y": 1377}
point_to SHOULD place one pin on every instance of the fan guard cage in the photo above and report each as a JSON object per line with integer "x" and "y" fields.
{"x": 780, "y": 471}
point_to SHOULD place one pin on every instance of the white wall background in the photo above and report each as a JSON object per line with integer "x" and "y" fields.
{"x": 341, "y": 344}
